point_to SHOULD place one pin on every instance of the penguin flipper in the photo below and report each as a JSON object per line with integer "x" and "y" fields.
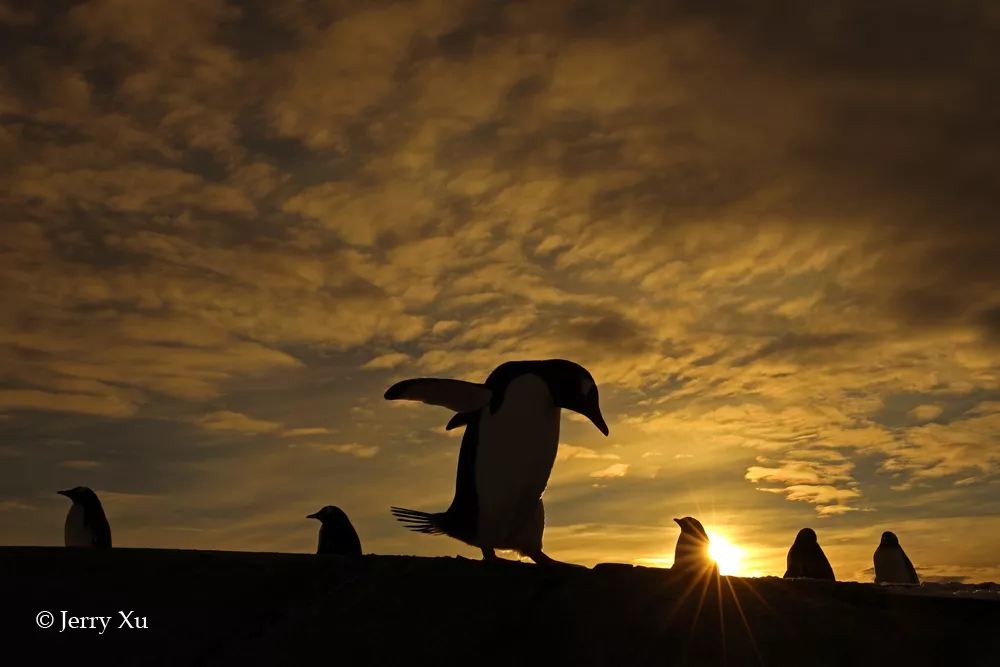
{"x": 456, "y": 395}
{"x": 417, "y": 521}
{"x": 102, "y": 536}
{"x": 348, "y": 542}
{"x": 100, "y": 531}
{"x": 827, "y": 569}
{"x": 461, "y": 419}
{"x": 909, "y": 566}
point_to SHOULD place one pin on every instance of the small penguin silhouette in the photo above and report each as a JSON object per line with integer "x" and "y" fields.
{"x": 86, "y": 524}
{"x": 691, "y": 553}
{"x": 336, "y": 533}
{"x": 891, "y": 563}
{"x": 806, "y": 558}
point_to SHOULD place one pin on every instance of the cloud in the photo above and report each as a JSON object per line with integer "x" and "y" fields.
{"x": 368, "y": 45}
{"x": 801, "y": 472}
{"x": 927, "y": 412}
{"x": 989, "y": 320}
{"x": 613, "y": 470}
{"x": 81, "y": 465}
{"x": 15, "y": 505}
{"x": 225, "y": 420}
{"x": 567, "y": 452}
{"x": 935, "y": 450}
{"x": 127, "y": 499}
{"x": 14, "y": 16}
{"x": 112, "y": 404}
{"x": 353, "y": 449}
{"x": 386, "y": 361}
{"x": 828, "y": 499}
{"x": 805, "y": 346}
{"x": 611, "y": 332}
{"x": 296, "y": 432}
{"x": 836, "y": 510}
{"x": 814, "y": 482}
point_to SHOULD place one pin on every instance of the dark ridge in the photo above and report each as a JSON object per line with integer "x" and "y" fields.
{"x": 237, "y": 608}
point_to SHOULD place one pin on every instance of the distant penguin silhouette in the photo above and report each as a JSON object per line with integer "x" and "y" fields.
{"x": 891, "y": 563}
{"x": 806, "y": 558}
{"x": 336, "y": 533}
{"x": 511, "y": 437}
{"x": 691, "y": 553}
{"x": 86, "y": 525}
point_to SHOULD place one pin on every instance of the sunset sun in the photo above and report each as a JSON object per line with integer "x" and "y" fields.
{"x": 727, "y": 555}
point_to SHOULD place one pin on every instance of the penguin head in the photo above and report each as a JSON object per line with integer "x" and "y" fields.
{"x": 79, "y": 494}
{"x": 806, "y": 536}
{"x": 573, "y": 388}
{"x": 330, "y": 514}
{"x": 692, "y": 527}
{"x": 889, "y": 539}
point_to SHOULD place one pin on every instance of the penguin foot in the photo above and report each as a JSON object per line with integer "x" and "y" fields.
{"x": 490, "y": 558}
{"x": 501, "y": 561}
{"x": 545, "y": 561}
{"x": 496, "y": 560}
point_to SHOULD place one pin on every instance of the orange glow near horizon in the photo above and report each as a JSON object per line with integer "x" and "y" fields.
{"x": 727, "y": 555}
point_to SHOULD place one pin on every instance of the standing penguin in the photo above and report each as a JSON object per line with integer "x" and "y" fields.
{"x": 806, "y": 558}
{"x": 891, "y": 563}
{"x": 336, "y": 534}
{"x": 508, "y": 450}
{"x": 691, "y": 553}
{"x": 86, "y": 525}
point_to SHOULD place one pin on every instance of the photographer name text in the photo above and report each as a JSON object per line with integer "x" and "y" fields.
{"x": 67, "y": 621}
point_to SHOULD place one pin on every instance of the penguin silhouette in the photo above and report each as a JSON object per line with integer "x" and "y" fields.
{"x": 806, "y": 558}
{"x": 691, "y": 553}
{"x": 511, "y": 438}
{"x": 336, "y": 533}
{"x": 86, "y": 524}
{"x": 891, "y": 563}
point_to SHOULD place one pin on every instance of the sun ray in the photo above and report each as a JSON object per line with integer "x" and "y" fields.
{"x": 743, "y": 617}
{"x": 722, "y": 618}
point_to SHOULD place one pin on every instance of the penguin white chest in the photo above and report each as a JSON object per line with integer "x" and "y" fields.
{"x": 76, "y": 532}
{"x": 514, "y": 458}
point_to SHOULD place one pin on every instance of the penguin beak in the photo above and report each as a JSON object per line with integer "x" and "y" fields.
{"x": 592, "y": 411}
{"x": 63, "y": 493}
{"x": 314, "y": 515}
{"x": 599, "y": 423}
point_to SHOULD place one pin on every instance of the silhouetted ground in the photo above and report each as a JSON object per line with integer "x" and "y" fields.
{"x": 234, "y": 608}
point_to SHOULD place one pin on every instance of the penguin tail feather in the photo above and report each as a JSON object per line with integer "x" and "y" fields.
{"x": 418, "y": 522}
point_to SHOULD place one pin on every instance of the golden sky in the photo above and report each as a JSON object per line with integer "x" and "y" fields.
{"x": 771, "y": 236}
